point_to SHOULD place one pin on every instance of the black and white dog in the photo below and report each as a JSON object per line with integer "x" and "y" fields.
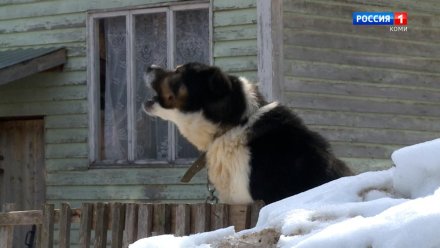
{"x": 254, "y": 150}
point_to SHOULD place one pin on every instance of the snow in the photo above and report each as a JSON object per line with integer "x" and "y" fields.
{"x": 418, "y": 169}
{"x": 200, "y": 240}
{"x": 399, "y": 207}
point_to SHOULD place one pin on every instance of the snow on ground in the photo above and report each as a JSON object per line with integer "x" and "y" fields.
{"x": 399, "y": 207}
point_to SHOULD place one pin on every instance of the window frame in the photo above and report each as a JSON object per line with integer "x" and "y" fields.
{"x": 93, "y": 85}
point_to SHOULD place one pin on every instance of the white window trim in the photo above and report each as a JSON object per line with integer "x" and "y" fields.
{"x": 93, "y": 80}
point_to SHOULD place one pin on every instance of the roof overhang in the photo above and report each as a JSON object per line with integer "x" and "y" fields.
{"x": 20, "y": 63}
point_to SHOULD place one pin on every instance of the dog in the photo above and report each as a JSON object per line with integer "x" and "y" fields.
{"x": 255, "y": 150}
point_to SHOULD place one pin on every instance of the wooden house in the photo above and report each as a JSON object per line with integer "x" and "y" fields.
{"x": 71, "y": 86}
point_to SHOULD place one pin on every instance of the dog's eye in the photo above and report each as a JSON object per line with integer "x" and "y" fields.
{"x": 170, "y": 98}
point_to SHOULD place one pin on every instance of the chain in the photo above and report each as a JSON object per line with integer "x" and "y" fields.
{"x": 211, "y": 199}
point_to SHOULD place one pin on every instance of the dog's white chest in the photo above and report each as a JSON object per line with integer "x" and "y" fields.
{"x": 228, "y": 160}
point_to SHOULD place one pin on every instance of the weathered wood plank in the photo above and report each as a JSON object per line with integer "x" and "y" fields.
{"x": 362, "y": 89}
{"x": 101, "y": 224}
{"x": 368, "y": 120}
{"x": 65, "y": 223}
{"x": 219, "y": 216}
{"x": 131, "y": 224}
{"x": 379, "y": 76}
{"x": 43, "y": 37}
{"x": 357, "y": 104}
{"x": 43, "y": 108}
{"x": 235, "y": 65}
{"x": 85, "y": 228}
{"x": 126, "y": 192}
{"x": 238, "y": 32}
{"x": 65, "y": 7}
{"x": 66, "y": 164}
{"x": 362, "y": 150}
{"x": 117, "y": 224}
{"x": 74, "y": 150}
{"x": 296, "y": 22}
{"x": 122, "y": 176}
{"x": 72, "y": 135}
{"x": 29, "y": 217}
{"x": 48, "y": 226}
{"x": 182, "y": 220}
{"x": 16, "y": 2}
{"x": 361, "y": 165}
{"x": 18, "y": 95}
{"x": 66, "y": 121}
{"x": 6, "y": 232}
{"x": 41, "y": 63}
{"x": 6, "y": 236}
{"x": 233, "y": 4}
{"x": 365, "y": 44}
{"x": 430, "y": 6}
{"x": 235, "y": 17}
{"x": 235, "y": 48}
{"x": 76, "y": 64}
{"x": 239, "y": 216}
{"x": 255, "y": 211}
{"x": 145, "y": 221}
{"x": 341, "y": 11}
{"x": 359, "y": 58}
{"x": 200, "y": 217}
{"x": 49, "y": 79}
{"x": 161, "y": 219}
{"x": 69, "y": 20}
{"x": 374, "y": 136}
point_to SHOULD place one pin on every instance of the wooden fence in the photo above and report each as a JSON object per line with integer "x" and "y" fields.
{"x": 124, "y": 222}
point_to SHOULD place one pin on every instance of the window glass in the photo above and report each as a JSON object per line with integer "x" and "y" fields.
{"x": 113, "y": 88}
{"x": 192, "y": 45}
{"x": 150, "y": 48}
{"x": 122, "y": 123}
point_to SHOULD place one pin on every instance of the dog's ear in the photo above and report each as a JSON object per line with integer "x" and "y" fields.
{"x": 218, "y": 81}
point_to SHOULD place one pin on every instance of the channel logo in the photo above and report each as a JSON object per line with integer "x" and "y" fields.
{"x": 380, "y": 18}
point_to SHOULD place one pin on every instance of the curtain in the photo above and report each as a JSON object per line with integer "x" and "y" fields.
{"x": 151, "y": 140}
{"x": 115, "y": 102}
{"x": 150, "y": 48}
{"x": 192, "y": 45}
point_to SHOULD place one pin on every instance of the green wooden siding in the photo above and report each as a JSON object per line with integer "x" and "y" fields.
{"x": 61, "y": 97}
{"x": 235, "y": 37}
{"x": 368, "y": 90}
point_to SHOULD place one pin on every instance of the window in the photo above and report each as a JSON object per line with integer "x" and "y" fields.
{"x": 121, "y": 45}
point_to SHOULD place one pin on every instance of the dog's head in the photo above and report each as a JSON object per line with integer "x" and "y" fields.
{"x": 191, "y": 88}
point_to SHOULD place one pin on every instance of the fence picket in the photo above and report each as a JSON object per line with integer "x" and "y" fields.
{"x": 161, "y": 219}
{"x": 127, "y": 222}
{"x": 182, "y": 220}
{"x": 101, "y": 224}
{"x": 200, "y": 217}
{"x": 47, "y": 228}
{"x": 145, "y": 220}
{"x": 7, "y": 232}
{"x": 131, "y": 223}
{"x": 117, "y": 224}
{"x": 85, "y": 227}
{"x": 65, "y": 223}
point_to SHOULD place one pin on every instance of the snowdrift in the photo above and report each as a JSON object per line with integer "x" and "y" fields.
{"x": 399, "y": 207}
